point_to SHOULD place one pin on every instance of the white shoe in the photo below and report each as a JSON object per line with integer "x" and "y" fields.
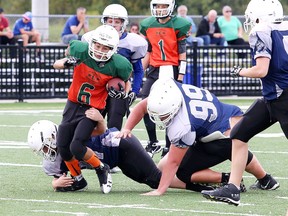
{"x": 105, "y": 178}
{"x": 115, "y": 170}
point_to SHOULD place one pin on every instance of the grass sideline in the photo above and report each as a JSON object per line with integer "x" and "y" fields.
{"x": 26, "y": 190}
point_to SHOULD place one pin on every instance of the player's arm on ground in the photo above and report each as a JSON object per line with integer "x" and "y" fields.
{"x": 174, "y": 159}
{"x": 62, "y": 181}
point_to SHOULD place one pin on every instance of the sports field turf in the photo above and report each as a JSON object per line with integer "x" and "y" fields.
{"x": 26, "y": 190}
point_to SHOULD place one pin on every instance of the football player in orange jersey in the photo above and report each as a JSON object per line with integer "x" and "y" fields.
{"x": 95, "y": 63}
{"x": 166, "y": 36}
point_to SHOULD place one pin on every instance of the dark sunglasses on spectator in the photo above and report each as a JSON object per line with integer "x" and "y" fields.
{"x": 229, "y": 11}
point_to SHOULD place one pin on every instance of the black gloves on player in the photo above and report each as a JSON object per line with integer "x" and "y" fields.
{"x": 235, "y": 71}
{"x": 71, "y": 61}
{"x": 121, "y": 94}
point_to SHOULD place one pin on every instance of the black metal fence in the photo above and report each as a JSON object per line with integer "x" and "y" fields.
{"x": 213, "y": 65}
{"x": 30, "y": 76}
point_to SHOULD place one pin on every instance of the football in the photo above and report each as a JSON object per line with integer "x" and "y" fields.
{"x": 114, "y": 83}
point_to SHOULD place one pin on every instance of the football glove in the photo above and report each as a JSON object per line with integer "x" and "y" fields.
{"x": 235, "y": 71}
{"x": 121, "y": 94}
{"x": 71, "y": 61}
{"x": 131, "y": 97}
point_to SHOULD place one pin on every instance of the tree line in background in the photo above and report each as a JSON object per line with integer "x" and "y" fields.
{"x": 134, "y": 7}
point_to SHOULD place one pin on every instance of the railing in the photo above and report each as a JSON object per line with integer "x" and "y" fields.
{"x": 213, "y": 65}
{"x": 27, "y": 76}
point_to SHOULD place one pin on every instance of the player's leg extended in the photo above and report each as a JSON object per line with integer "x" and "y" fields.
{"x": 136, "y": 164}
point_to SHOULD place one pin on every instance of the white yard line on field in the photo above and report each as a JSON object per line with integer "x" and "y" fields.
{"x": 128, "y": 206}
{"x": 61, "y": 212}
{"x": 29, "y": 111}
{"x": 19, "y": 165}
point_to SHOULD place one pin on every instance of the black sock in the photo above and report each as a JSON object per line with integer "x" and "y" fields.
{"x": 264, "y": 180}
{"x": 225, "y": 177}
{"x": 197, "y": 187}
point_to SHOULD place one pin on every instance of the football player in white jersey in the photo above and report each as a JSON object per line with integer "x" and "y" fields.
{"x": 190, "y": 114}
{"x": 268, "y": 40}
{"x": 133, "y": 47}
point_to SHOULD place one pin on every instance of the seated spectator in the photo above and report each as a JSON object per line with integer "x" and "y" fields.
{"x": 74, "y": 25}
{"x": 209, "y": 30}
{"x": 182, "y": 12}
{"x": 231, "y": 27}
{"x": 6, "y": 35}
{"x": 23, "y": 29}
{"x": 134, "y": 28}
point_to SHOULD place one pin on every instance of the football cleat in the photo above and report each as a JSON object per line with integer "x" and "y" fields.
{"x": 152, "y": 148}
{"x": 242, "y": 186}
{"x": 115, "y": 170}
{"x": 229, "y": 194}
{"x": 105, "y": 178}
{"x": 79, "y": 185}
{"x": 268, "y": 184}
{"x": 165, "y": 150}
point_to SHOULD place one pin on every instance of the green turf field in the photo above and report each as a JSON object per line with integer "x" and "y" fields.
{"x": 26, "y": 190}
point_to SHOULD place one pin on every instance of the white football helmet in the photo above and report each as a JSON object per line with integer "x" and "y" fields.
{"x": 164, "y": 101}
{"x": 116, "y": 11}
{"x": 262, "y": 11}
{"x": 42, "y": 139}
{"x": 105, "y": 35}
{"x": 162, "y": 13}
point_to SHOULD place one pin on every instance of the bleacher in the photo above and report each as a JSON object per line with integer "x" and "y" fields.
{"x": 28, "y": 77}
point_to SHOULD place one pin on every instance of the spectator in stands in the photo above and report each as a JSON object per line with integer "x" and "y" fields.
{"x": 74, "y": 25}
{"x": 182, "y": 12}
{"x": 134, "y": 28}
{"x": 209, "y": 30}
{"x": 23, "y": 29}
{"x": 232, "y": 29}
{"x": 6, "y": 35}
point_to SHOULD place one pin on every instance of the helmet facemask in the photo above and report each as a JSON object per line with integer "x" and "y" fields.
{"x": 114, "y": 22}
{"x": 162, "y": 8}
{"x": 97, "y": 54}
{"x": 163, "y": 121}
{"x": 48, "y": 150}
{"x": 103, "y": 43}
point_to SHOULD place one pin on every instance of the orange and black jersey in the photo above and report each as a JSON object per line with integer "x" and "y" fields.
{"x": 164, "y": 39}
{"x": 90, "y": 78}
